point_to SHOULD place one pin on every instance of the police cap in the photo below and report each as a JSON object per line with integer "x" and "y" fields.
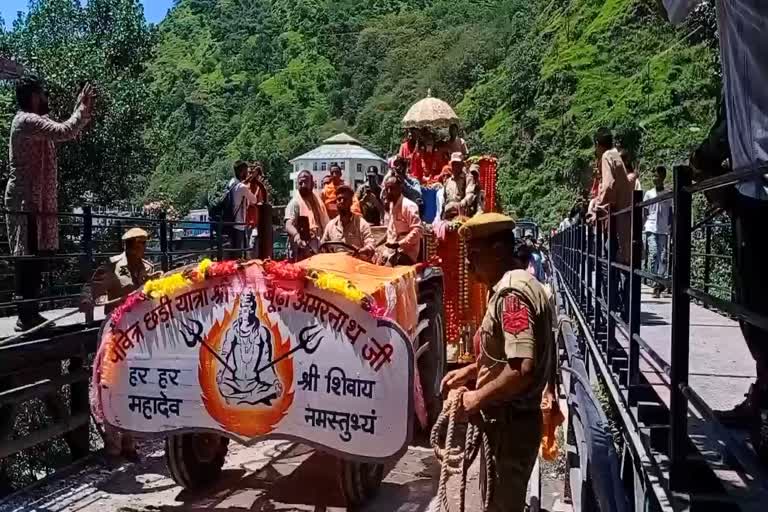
{"x": 135, "y": 233}
{"x": 486, "y": 225}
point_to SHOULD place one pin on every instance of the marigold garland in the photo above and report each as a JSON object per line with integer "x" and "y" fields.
{"x": 273, "y": 270}
{"x": 166, "y": 286}
{"x": 336, "y": 284}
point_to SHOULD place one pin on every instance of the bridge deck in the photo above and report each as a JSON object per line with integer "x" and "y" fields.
{"x": 721, "y": 370}
{"x": 721, "y": 367}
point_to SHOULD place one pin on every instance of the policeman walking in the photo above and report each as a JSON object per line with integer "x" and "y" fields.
{"x": 116, "y": 279}
{"x": 514, "y": 347}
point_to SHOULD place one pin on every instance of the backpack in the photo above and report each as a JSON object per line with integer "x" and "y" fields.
{"x": 221, "y": 208}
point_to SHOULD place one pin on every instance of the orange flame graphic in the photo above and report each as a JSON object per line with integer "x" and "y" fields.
{"x": 246, "y": 420}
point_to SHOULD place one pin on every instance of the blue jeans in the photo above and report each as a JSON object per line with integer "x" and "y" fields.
{"x": 657, "y": 254}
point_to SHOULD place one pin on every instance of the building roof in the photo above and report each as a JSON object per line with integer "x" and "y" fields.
{"x": 339, "y": 148}
{"x": 342, "y": 138}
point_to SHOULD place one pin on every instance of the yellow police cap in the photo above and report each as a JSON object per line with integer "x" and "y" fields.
{"x": 486, "y": 224}
{"x": 135, "y": 233}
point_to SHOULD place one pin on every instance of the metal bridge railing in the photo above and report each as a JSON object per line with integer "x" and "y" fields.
{"x": 87, "y": 239}
{"x": 55, "y": 369}
{"x": 606, "y": 295}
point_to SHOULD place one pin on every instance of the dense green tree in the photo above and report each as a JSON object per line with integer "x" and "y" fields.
{"x": 107, "y": 43}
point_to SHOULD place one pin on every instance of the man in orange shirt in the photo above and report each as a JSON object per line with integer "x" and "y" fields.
{"x": 328, "y": 194}
{"x": 404, "y": 230}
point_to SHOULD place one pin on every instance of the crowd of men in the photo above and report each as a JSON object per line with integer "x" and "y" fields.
{"x": 744, "y": 203}
{"x": 340, "y": 216}
{"x": 612, "y": 189}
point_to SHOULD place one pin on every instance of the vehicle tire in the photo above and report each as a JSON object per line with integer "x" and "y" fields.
{"x": 195, "y": 460}
{"x": 360, "y": 481}
{"x": 433, "y": 363}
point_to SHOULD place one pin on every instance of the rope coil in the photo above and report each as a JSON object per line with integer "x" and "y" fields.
{"x": 456, "y": 461}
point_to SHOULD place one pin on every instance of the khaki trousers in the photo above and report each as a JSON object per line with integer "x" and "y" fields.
{"x": 515, "y": 438}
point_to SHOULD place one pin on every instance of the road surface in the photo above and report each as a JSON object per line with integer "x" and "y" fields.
{"x": 271, "y": 476}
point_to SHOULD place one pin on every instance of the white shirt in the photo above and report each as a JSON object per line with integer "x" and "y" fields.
{"x": 242, "y": 197}
{"x": 742, "y": 26}
{"x": 658, "y": 214}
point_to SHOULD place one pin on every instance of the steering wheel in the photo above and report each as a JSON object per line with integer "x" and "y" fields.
{"x": 334, "y": 247}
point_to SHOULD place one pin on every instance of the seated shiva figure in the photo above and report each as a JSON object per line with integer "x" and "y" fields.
{"x": 248, "y": 376}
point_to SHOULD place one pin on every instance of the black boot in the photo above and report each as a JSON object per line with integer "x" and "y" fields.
{"x": 759, "y": 430}
{"x": 743, "y": 414}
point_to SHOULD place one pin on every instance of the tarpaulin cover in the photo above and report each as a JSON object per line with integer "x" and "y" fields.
{"x": 393, "y": 288}
{"x": 742, "y": 26}
{"x": 429, "y": 196}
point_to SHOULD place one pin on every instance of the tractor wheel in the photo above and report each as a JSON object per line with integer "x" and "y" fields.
{"x": 195, "y": 460}
{"x": 432, "y": 363}
{"x": 360, "y": 481}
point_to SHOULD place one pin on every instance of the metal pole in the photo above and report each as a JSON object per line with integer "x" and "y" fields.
{"x": 707, "y": 252}
{"x": 598, "y": 275}
{"x": 681, "y": 314}
{"x": 610, "y": 322}
{"x": 589, "y": 270}
{"x": 163, "y": 242}
{"x": 220, "y": 240}
{"x": 635, "y": 285}
{"x": 170, "y": 244}
{"x": 86, "y": 262}
{"x": 582, "y": 266}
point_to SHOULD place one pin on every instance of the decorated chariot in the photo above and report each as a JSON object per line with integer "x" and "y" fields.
{"x": 464, "y": 298}
{"x": 334, "y": 352}
{"x": 322, "y": 352}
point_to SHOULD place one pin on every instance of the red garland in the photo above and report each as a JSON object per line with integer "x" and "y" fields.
{"x": 129, "y": 303}
{"x": 434, "y": 261}
{"x": 284, "y": 271}
{"x": 222, "y": 269}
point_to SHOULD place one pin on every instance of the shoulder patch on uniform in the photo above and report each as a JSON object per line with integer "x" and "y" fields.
{"x": 514, "y": 315}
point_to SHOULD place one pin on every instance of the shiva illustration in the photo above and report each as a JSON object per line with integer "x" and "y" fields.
{"x": 249, "y": 375}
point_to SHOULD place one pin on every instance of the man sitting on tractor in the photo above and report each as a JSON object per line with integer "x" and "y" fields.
{"x": 349, "y": 227}
{"x": 404, "y": 225}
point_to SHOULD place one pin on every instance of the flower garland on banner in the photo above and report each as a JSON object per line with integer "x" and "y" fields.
{"x": 281, "y": 273}
{"x": 344, "y": 287}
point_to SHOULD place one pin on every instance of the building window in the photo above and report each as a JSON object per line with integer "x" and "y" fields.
{"x": 343, "y": 165}
{"x": 314, "y": 166}
{"x": 359, "y": 168}
{"x": 324, "y": 166}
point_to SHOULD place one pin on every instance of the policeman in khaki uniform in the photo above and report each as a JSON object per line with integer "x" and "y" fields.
{"x": 515, "y": 354}
{"x": 116, "y": 279}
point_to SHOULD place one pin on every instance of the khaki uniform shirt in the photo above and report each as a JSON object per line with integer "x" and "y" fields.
{"x": 517, "y": 324}
{"x": 115, "y": 280}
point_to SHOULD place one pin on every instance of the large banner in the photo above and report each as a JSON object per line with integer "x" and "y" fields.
{"x": 251, "y": 361}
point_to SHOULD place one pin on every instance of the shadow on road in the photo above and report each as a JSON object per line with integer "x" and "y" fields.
{"x": 302, "y": 479}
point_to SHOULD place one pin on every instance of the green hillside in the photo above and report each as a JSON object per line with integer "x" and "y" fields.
{"x": 269, "y": 79}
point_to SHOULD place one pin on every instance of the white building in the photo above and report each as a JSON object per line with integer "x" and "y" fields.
{"x": 343, "y": 150}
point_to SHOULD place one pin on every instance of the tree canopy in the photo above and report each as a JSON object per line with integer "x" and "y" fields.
{"x": 268, "y": 79}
